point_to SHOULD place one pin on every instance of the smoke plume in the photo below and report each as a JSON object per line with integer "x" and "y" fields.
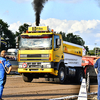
{"x": 38, "y": 6}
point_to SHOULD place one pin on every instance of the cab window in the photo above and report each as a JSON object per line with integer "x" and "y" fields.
{"x": 55, "y": 37}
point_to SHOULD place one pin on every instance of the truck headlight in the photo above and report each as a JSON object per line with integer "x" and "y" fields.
{"x": 23, "y": 55}
{"x": 20, "y": 65}
{"x": 44, "y": 55}
{"x": 49, "y": 66}
{"x": 46, "y": 65}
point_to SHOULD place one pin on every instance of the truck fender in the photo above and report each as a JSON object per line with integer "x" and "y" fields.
{"x": 58, "y": 64}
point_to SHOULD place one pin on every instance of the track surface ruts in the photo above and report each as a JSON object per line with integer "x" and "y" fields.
{"x": 17, "y": 89}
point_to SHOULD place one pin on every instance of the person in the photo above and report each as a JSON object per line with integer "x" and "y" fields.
{"x": 3, "y": 71}
{"x": 97, "y": 70}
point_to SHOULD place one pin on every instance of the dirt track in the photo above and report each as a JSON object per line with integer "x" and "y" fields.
{"x": 17, "y": 89}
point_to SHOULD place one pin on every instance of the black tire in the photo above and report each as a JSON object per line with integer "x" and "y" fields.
{"x": 27, "y": 77}
{"x": 51, "y": 79}
{"x": 46, "y": 79}
{"x": 62, "y": 75}
{"x": 80, "y": 76}
{"x": 56, "y": 79}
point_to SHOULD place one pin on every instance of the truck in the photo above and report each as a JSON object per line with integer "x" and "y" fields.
{"x": 12, "y": 53}
{"x": 12, "y": 57}
{"x": 43, "y": 53}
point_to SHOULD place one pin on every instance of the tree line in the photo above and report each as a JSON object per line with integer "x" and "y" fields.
{"x": 10, "y": 37}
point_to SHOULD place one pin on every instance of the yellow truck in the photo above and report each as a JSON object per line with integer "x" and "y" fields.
{"x": 43, "y": 53}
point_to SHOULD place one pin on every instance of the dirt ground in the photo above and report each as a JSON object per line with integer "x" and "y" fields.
{"x": 17, "y": 89}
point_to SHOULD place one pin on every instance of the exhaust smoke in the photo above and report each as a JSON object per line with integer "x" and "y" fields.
{"x": 38, "y": 6}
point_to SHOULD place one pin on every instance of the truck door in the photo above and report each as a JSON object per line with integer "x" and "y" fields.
{"x": 57, "y": 52}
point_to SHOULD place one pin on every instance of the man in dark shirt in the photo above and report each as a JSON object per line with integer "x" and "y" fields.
{"x": 97, "y": 70}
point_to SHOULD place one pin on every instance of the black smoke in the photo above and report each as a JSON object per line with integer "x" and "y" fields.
{"x": 38, "y": 5}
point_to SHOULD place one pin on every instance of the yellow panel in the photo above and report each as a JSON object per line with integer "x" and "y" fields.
{"x": 50, "y": 52}
{"x": 38, "y": 28}
{"x": 39, "y": 70}
{"x": 72, "y": 49}
{"x": 34, "y": 51}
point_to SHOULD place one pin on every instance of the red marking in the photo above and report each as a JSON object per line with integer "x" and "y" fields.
{"x": 24, "y": 65}
{"x": 65, "y": 49}
{"x": 0, "y": 61}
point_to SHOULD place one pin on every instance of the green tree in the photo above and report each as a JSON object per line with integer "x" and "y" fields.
{"x": 75, "y": 39}
{"x": 72, "y": 38}
{"x": 95, "y": 51}
{"x": 7, "y": 35}
{"x": 22, "y": 29}
{"x": 87, "y": 49}
{"x": 91, "y": 52}
{"x": 63, "y": 35}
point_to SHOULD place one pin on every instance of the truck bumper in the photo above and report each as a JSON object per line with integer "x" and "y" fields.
{"x": 39, "y": 70}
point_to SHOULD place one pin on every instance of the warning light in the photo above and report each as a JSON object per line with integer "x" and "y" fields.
{"x": 52, "y": 30}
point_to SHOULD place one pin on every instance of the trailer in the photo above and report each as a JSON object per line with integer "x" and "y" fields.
{"x": 88, "y": 64}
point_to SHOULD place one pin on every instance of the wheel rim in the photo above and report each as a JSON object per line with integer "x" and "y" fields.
{"x": 62, "y": 75}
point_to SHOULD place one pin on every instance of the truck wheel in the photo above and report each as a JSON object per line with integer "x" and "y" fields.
{"x": 27, "y": 77}
{"x": 62, "y": 75}
{"x": 46, "y": 79}
{"x": 80, "y": 76}
{"x": 56, "y": 79}
{"x": 51, "y": 79}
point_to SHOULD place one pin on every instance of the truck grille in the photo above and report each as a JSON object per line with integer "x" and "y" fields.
{"x": 34, "y": 57}
{"x": 34, "y": 65}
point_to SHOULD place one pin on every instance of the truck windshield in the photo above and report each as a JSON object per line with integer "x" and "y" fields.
{"x": 36, "y": 43}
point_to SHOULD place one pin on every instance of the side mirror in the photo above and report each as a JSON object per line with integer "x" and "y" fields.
{"x": 17, "y": 44}
{"x": 58, "y": 42}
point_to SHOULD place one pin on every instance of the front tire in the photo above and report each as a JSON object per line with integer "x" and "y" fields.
{"x": 46, "y": 79}
{"x": 62, "y": 75}
{"x": 27, "y": 77}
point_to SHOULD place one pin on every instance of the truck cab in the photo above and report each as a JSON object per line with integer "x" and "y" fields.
{"x": 39, "y": 51}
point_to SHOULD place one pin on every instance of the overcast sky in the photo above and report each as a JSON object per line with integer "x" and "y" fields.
{"x": 80, "y": 17}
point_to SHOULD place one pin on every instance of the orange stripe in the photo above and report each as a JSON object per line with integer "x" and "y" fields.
{"x": 0, "y": 61}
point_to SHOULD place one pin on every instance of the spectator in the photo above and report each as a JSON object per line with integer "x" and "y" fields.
{"x": 3, "y": 71}
{"x": 97, "y": 70}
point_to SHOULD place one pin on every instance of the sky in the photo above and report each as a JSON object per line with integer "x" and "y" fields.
{"x": 80, "y": 17}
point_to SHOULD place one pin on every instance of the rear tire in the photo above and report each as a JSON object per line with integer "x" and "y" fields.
{"x": 80, "y": 76}
{"x": 27, "y": 77}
